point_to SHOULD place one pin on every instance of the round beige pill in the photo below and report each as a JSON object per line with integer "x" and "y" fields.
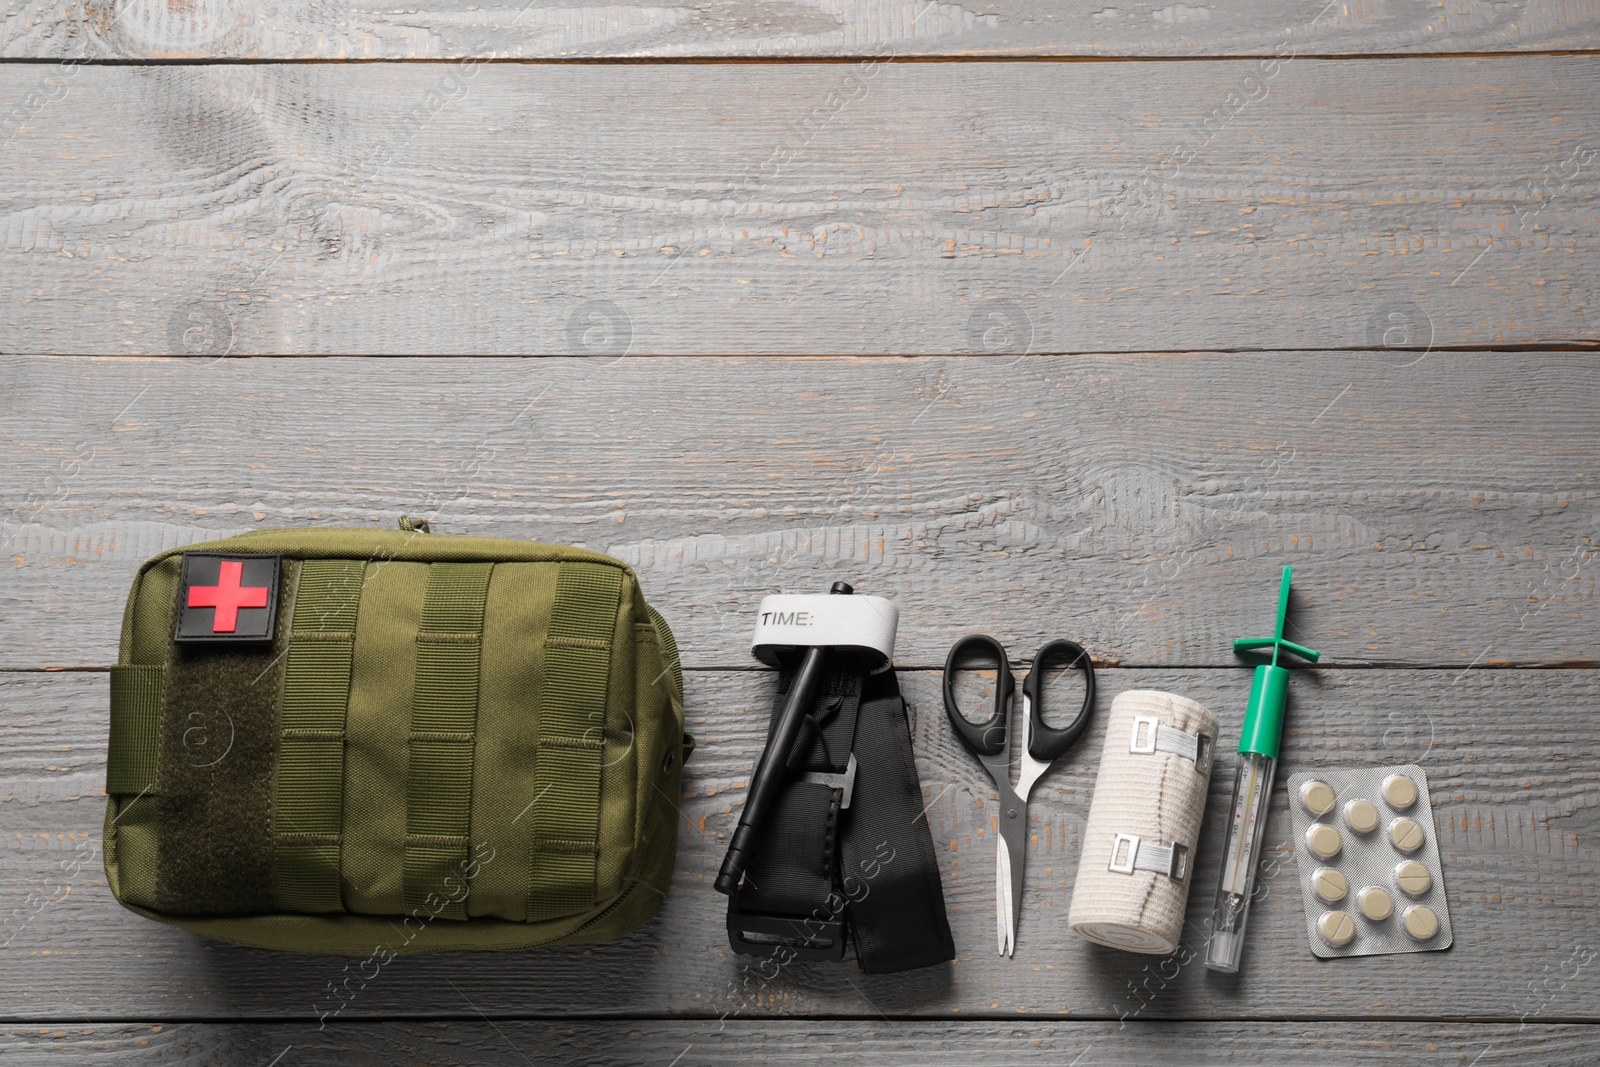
{"x": 1317, "y": 798}
{"x": 1412, "y": 878}
{"x": 1336, "y": 928}
{"x": 1421, "y": 923}
{"x": 1405, "y": 835}
{"x": 1376, "y": 903}
{"x": 1361, "y": 816}
{"x": 1329, "y": 885}
{"x": 1399, "y": 792}
{"x": 1323, "y": 841}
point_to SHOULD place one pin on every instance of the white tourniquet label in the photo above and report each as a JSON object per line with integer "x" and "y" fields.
{"x": 810, "y": 620}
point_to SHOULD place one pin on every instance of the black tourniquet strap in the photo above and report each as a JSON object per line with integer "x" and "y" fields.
{"x": 822, "y": 865}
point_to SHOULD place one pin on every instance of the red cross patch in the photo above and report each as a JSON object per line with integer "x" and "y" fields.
{"x": 227, "y": 596}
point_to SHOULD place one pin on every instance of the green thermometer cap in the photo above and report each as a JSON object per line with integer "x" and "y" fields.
{"x": 1269, "y": 690}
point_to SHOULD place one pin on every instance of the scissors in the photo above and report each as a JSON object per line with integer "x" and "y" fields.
{"x": 1041, "y": 746}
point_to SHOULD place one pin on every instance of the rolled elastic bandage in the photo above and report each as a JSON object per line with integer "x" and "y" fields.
{"x": 1144, "y": 822}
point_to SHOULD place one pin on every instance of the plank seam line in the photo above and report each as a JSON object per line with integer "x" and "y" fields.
{"x": 952, "y": 1021}
{"x": 767, "y": 61}
{"x": 1577, "y": 347}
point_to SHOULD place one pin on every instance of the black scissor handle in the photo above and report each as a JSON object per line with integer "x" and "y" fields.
{"x": 1045, "y": 742}
{"x": 987, "y": 738}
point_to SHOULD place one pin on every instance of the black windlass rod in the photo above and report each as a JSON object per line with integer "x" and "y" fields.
{"x": 774, "y": 761}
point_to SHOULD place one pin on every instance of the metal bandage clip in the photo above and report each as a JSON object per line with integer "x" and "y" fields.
{"x": 1139, "y": 855}
{"x": 844, "y": 781}
{"x": 1151, "y": 734}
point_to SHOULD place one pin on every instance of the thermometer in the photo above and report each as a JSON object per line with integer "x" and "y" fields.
{"x": 1252, "y": 790}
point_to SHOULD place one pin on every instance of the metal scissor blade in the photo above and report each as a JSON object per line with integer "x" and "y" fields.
{"x": 999, "y": 768}
{"x": 1013, "y": 836}
{"x": 1004, "y": 923}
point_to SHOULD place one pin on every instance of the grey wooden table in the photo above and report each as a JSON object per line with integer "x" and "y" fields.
{"x": 1071, "y": 319}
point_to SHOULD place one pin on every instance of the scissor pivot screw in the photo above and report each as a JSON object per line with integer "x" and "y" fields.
{"x": 1011, "y": 813}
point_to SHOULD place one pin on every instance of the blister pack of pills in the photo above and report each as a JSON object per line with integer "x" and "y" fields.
{"x": 1369, "y": 861}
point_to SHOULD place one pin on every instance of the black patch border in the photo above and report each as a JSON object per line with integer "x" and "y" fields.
{"x": 275, "y": 588}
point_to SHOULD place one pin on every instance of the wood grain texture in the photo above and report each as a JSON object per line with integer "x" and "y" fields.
{"x": 268, "y": 29}
{"x": 1442, "y": 513}
{"x": 1511, "y": 757}
{"x": 799, "y": 208}
{"x": 739, "y": 1043}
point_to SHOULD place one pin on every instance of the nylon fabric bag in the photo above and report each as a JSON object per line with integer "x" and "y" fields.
{"x": 389, "y": 742}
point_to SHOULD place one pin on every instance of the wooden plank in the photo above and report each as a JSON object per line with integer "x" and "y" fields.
{"x": 1511, "y": 757}
{"x": 739, "y": 1043}
{"x": 260, "y": 29}
{"x": 800, "y": 208}
{"x": 1442, "y": 513}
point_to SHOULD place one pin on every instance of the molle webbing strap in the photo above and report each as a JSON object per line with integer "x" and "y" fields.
{"x": 565, "y": 804}
{"x": 135, "y": 729}
{"x": 444, "y": 714}
{"x": 309, "y": 808}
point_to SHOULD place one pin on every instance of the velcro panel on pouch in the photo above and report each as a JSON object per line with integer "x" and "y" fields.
{"x": 216, "y": 773}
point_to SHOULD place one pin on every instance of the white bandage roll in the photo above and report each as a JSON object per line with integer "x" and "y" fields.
{"x": 1144, "y": 822}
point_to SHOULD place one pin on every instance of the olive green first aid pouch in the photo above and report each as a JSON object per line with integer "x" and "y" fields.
{"x": 360, "y": 741}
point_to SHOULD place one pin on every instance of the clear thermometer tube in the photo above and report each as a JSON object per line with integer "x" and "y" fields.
{"x": 1252, "y": 788}
{"x": 1252, "y": 792}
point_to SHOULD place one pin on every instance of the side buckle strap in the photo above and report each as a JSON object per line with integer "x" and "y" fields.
{"x": 1131, "y": 853}
{"x": 1150, "y": 734}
